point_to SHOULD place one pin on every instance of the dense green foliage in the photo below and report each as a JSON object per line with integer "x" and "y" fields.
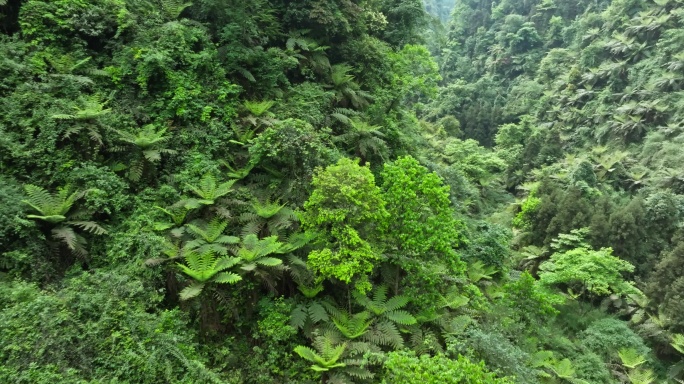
{"x": 341, "y": 191}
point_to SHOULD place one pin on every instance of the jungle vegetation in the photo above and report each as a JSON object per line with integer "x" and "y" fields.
{"x": 342, "y": 191}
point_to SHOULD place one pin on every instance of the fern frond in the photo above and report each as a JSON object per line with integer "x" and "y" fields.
{"x": 258, "y": 108}
{"x": 306, "y": 353}
{"x": 268, "y": 261}
{"x": 401, "y": 317}
{"x": 227, "y": 278}
{"x": 299, "y": 316}
{"x": 226, "y": 262}
{"x": 396, "y": 302}
{"x": 358, "y": 372}
{"x": 89, "y": 226}
{"x": 310, "y": 292}
{"x": 316, "y": 312}
{"x": 639, "y": 376}
{"x": 135, "y": 171}
{"x": 251, "y": 228}
{"x": 72, "y": 240}
{"x": 192, "y": 290}
{"x": 631, "y": 358}
{"x": 385, "y": 333}
{"x": 246, "y": 74}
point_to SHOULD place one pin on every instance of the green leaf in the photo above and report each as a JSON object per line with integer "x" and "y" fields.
{"x": 192, "y": 290}
{"x": 227, "y": 278}
{"x": 269, "y": 261}
{"x": 401, "y": 317}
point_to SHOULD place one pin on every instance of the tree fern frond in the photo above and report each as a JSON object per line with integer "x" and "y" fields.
{"x": 310, "y": 292}
{"x": 299, "y": 316}
{"x": 251, "y": 228}
{"x": 73, "y": 241}
{"x": 89, "y": 226}
{"x": 317, "y": 312}
{"x": 306, "y": 353}
{"x": 358, "y": 372}
{"x": 396, "y": 302}
{"x": 246, "y": 74}
{"x": 135, "y": 171}
{"x": 631, "y": 358}
{"x": 191, "y": 291}
{"x": 269, "y": 261}
{"x": 227, "y": 278}
{"x": 641, "y": 376}
{"x": 226, "y": 262}
{"x": 385, "y": 333}
{"x": 258, "y": 108}
{"x": 152, "y": 155}
{"x": 401, "y": 317}
{"x": 353, "y": 326}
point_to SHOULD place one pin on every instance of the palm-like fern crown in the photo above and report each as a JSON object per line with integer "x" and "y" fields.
{"x": 209, "y": 189}
{"x": 267, "y": 209}
{"x": 352, "y": 326}
{"x": 146, "y": 138}
{"x": 173, "y": 8}
{"x": 340, "y": 75}
{"x": 639, "y": 376}
{"x": 52, "y": 207}
{"x": 255, "y": 249}
{"x": 390, "y": 309}
{"x": 92, "y": 109}
{"x": 272, "y": 215}
{"x": 259, "y": 108}
{"x": 210, "y": 237}
{"x": 176, "y": 213}
{"x": 364, "y": 137}
{"x": 326, "y": 356}
{"x": 365, "y": 129}
{"x": 202, "y": 267}
{"x": 206, "y": 267}
{"x": 209, "y": 232}
{"x": 631, "y": 358}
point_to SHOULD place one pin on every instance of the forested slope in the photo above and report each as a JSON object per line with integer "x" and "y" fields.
{"x": 300, "y": 191}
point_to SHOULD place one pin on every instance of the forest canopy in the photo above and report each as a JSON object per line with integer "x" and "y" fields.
{"x": 341, "y": 191}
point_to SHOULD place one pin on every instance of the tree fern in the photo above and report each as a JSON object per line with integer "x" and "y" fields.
{"x": 209, "y": 189}
{"x": 364, "y": 139}
{"x": 173, "y": 8}
{"x": 267, "y": 218}
{"x": 641, "y": 376}
{"x": 204, "y": 268}
{"x": 176, "y": 213}
{"x": 52, "y": 207}
{"x": 424, "y": 341}
{"x": 85, "y": 117}
{"x": 307, "y": 314}
{"x": 352, "y": 326}
{"x": 381, "y": 307}
{"x": 259, "y": 108}
{"x": 325, "y": 357}
{"x": 210, "y": 237}
{"x": 148, "y": 144}
{"x": 631, "y": 358}
{"x": 385, "y": 333}
{"x": 75, "y": 242}
{"x": 478, "y": 271}
{"x": 255, "y": 252}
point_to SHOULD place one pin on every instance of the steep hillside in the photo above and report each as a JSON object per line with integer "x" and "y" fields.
{"x": 348, "y": 191}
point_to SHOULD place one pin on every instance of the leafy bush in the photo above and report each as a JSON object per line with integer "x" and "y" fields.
{"x": 406, "y": 367}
